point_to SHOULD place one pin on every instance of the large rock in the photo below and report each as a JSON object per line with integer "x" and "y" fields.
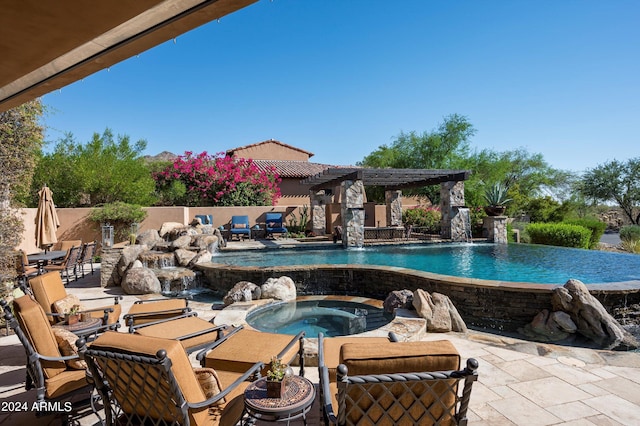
{"x": 141, "y": 281}
{"x": 398, "y": 299}
{"x": 150, "y": 238}
{"x": 169, "y": 227}
{"x": 221, "y": 240}
{"x": 440, "y": 313}
{"x": 181, "y": 242}
{"x": 282, "y": 288}
{"x": 550, "y": 327}
{"x": 128, "y": 256}
{"x": 205, "y": 241}
{"x": 184, "y": 257}
{"x": 243, "y": 291}
{"x": 591, "y": 318}
{"x": 201, "y": 257}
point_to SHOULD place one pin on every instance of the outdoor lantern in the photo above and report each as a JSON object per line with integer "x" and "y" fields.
{"x": 107, "y": 235}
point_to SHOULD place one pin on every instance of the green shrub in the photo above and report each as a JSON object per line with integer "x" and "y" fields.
{"x": 425, "y": 217}
{"x": 559, "y": 234}
{"x": 630, "y": 233}
{"x": 120, "y": 215}
{"x": 594, "y": 225}
{"x": 632, "y": 246}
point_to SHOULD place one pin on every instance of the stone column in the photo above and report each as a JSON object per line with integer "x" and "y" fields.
{"x": 393, "y": 200}
{"x": 495, "y": 228}
{"x": 352, "y": 212}
{"x": 453, "y": 224}
{"x": 109, "y": 258}
{"x": 318, "y": 212}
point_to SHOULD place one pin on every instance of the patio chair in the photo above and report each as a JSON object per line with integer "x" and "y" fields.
{"x": 240, "y": 227}
{"x": 66, "y": 244}
{"x": 51, "y": 294}
{"x": 52, "y": 366}
{"x": 397, "y": 383}
{"x": 152, "y": 310}
{"x": 205, "y": 219}
{"x": 26, "y": 270}
{"x": 149, "y": 380}
{"x": 88, "y": 251}
{"x": 69, "y": 263}
{"x": 274, "y": 224}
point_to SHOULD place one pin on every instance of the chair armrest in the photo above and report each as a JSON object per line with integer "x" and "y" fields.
{"x": 116, "y": 299}
{"x": 183, "y": 311}
{"x": 325, "y": 393}
{"x": 254, "y": 370}
{"x": 159, "y": 299}
{"x": 200, "y": 356}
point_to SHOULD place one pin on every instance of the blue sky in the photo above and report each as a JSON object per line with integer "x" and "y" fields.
{"x": 339, "y": 78}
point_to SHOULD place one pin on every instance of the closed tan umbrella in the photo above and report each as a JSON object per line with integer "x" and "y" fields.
{"x": 46, "y": 219}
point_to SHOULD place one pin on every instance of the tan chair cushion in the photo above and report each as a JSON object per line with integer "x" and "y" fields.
{"x": 65, "y": 382}
{"x": 36, "y": 327}
{"x": 403, "y": 357}
{"x": 47, "y": 288}
{"x": 234, "y": 355}
{"x": 332, "y": 345}
{"x": 147, "y": 312}
{"x": 113, "y": 316}
{"x": 67, "y": 345}
{"x": 64, "y": 305}
{"x": 239, "y": 226}
{"x": 175, "y": 329}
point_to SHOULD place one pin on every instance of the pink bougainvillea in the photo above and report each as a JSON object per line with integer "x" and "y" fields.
{"x": 220, "y": 181}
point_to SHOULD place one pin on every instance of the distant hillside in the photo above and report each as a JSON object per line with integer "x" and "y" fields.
{"x": 163, "y": 156}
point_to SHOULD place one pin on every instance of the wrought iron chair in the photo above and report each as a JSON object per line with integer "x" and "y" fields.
{"x": 47, "y": 370}
{"x": 25, "y": 269}
{"x": 88, "y": 251}
{"x": 153, "y": 310}
{"x": 67, "y": 265}
{"x": 404, "y": 383}
{"x": 51, "y": 294}
{"x": 149, "y": 380}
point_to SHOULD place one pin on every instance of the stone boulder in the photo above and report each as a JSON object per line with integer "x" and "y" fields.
{"x": 221, "y": 240}
{"x": 184, "y": 257}
{"x": 243, "y": 291}
{"x": 398, "y": 299}
{"x": 440, "y": 313}
{"x": 550, "y": 327}
{"x": 128, "y": 256}
{"x": 169, "y": 228}
{"x": 203, "y": 256}
{"x": 181, "y": 242}
{"x": 591, "y": 318}
{"x": 205, "y": 241}
{"x": 282, "y": 288}
{"x": 141, "y": 281}
{"x": 150, "y": 238}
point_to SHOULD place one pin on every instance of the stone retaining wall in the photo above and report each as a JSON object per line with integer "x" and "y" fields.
{"x": 481, "y": 303}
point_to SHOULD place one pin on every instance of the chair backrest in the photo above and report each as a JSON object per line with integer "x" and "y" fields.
{"x": 273, "y": 220}
{"x": 240, "y": 220}
{"x": 73, "y": 255}
{"x": 36, "y": 335}
{"x": 47, "y": 289}
{"x": 66, "y": 244}
{"x": 398, "y": 376}
{"x": 88, "y": 251}
{"x": 145, "y": 379}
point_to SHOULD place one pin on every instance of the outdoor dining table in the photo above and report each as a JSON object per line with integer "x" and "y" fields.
{"x": 46, "y": 256}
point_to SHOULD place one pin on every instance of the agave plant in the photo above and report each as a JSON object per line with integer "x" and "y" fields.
{"x": 496, "y": 195}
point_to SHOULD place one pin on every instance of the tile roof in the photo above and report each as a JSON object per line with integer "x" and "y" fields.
{"x": 233, "y": 150}
{"x": 292, "y": 169}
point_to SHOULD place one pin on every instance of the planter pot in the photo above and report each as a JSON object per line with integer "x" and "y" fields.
{"x": 72, "y": 319}
{"x": 495, "y": 210}
{"x": 275, "y": 389}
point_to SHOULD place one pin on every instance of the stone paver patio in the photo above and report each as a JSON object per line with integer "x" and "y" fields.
{"x": 520, "y": 382}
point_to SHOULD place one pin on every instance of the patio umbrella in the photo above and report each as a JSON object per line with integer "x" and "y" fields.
{"x": 46, "y": 219}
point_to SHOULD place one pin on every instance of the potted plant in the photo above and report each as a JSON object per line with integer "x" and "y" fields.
{"x": 276, "y": 378}
{"x": 72, "y": 316}
{"x": 496, "y": 197}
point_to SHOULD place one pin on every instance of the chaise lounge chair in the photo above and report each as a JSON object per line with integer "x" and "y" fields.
{"x": 53, "y": 366}
{"x": 396, "y": 383}
{"x": 149, "y": 380}
{"x": 274, "y": 224}
{"x": 240, "y": 227}
{"x": 51, "y": 294}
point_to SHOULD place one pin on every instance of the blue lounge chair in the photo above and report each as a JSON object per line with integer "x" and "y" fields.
{"x": 240, "y": 226}
{"x": 274, "y": 224}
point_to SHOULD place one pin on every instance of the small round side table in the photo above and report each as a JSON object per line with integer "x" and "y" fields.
{"x": 82, "y": 326}
{"x": 295, "y": 403}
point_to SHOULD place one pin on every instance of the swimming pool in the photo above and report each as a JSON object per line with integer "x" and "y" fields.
{"x": 499, "y": 262}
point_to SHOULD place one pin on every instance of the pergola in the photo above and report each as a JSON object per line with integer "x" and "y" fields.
{"x": 352, "y": 181}
{"x": 46, "y": 45}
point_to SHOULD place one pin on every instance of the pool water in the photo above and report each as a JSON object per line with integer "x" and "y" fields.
{"x": 330, "y": 317}
{"x": 502, "y": 262}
